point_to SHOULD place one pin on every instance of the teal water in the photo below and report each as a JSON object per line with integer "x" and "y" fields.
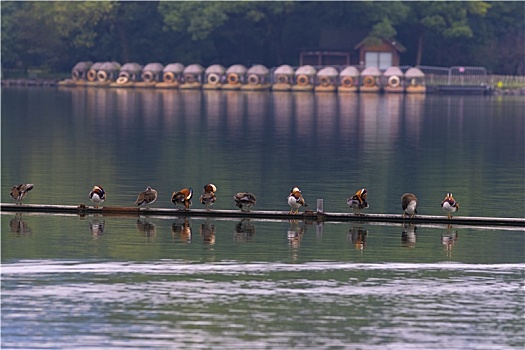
{"x": 156, "y": 282}
{"x": 64, "y": 141}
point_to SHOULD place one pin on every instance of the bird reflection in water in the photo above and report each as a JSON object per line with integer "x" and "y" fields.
{"x": 357, "y": 235}
{"x": 147, "y": 228}
{"x": 295, "y": 233}
{"x": 244, "y": 231}
{"x": 181, "y": 230}
{"x": 96, "y": 227}
{"x": 19, "y": 226}
{"x": 208, "y": 233}
{"x": 408, "y": 236}
{"x": 448, "y": 240}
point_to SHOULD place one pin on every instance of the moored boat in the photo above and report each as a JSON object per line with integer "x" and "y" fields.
{"x": 283, "y": 78}
{"x": 415, "y": 79}
{"x": 192, "y": 77}
{"x": 326, "y": 80}
{"x": 348, "y": 79}
{"x": 304, "y": 78}
{"x": 214, "y": 76}
{"x": 171, "y": 76}
{"x": 393, "y": 80}
{"x": 369, "y": 81}
{"x": 235, "y": 77}
{"x": 129, "y": 74}
{"x": 257, "y": 78}
{"x": 151, "y": 75}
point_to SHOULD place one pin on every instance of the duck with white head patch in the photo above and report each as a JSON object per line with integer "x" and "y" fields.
{"x": 97, "y": 195}
{"x": 296, "y": 200}
{"x": 449, "y": 205}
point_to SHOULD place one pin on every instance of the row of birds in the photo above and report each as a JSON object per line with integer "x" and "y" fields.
{"x": 246, "y": 200}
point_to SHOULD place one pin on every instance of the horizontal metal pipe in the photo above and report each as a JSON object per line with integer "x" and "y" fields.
{"x": 275, "y": 215}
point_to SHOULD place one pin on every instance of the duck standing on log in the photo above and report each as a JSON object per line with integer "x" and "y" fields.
{"x": 296, "y": 200}
{"x": 148, "y": 196}
{"x": 245, "y": 200}
{"x": 409, "y": 205}
{"x": 449, "y": 205}
{"x": 183, "y": 197}
{"x": 358, "y": 201}
{"x": 208, "y": 197}
{"x": 18, "y": 193}
{"x": 97, "y": 195}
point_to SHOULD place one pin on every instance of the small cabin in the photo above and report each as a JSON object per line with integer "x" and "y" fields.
{"x": 379, "y": 52}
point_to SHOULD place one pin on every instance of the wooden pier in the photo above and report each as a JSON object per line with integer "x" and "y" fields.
{"x": 308, "y": 215}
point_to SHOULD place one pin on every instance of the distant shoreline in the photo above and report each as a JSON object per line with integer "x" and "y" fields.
{"x": 42, "y": 82}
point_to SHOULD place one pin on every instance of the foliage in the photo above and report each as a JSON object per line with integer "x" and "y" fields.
{"x": 58, "y": 34}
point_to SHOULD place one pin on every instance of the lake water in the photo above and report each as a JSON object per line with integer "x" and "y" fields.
{"x": 154, "y": 282}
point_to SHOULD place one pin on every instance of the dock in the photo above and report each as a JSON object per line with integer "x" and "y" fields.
{"x": 308, "y": 215}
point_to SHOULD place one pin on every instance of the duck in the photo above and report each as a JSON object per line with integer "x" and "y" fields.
{"x": 148, "y": 196}
{"x": 449, "y": 205}
{"x": 208, "y": 196}
{"x": 97, "y": 195}
{"x": 358, "y": 201}
{"x": 183, "y": 197}
{"x": 18, "y": 193}
{"x": 409, "y": 205}
{"x": 296, "y": 200}
{"x": 245, "y": 200}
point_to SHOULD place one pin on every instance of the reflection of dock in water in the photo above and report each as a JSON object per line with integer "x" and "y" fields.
{"x": 309, "y": 215}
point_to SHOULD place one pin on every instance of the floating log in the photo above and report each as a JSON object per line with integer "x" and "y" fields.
{"x": 307, "y": 215}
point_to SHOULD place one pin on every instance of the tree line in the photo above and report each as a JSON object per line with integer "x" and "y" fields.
{"x": 57, "y": 34}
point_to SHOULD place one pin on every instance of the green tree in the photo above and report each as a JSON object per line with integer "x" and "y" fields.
{"x": 45, "y": 33}
{"x": 225, "y": 27}
{"x": 449, "y": 19}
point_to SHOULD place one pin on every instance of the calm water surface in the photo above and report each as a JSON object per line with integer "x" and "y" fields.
{"x": 124, "y": 282}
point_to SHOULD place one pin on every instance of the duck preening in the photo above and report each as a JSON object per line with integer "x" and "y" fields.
{"x": 183, "y": 198}
{"x": 18, "y": 193}
{"x": 97, "y": 195}
{"x": 208, "y": 197}
{"x": 358, "y": 201}
{"x": 245, "y": 200}
{"x": 148, "y": 196}
{"x": 409, "y": 205}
